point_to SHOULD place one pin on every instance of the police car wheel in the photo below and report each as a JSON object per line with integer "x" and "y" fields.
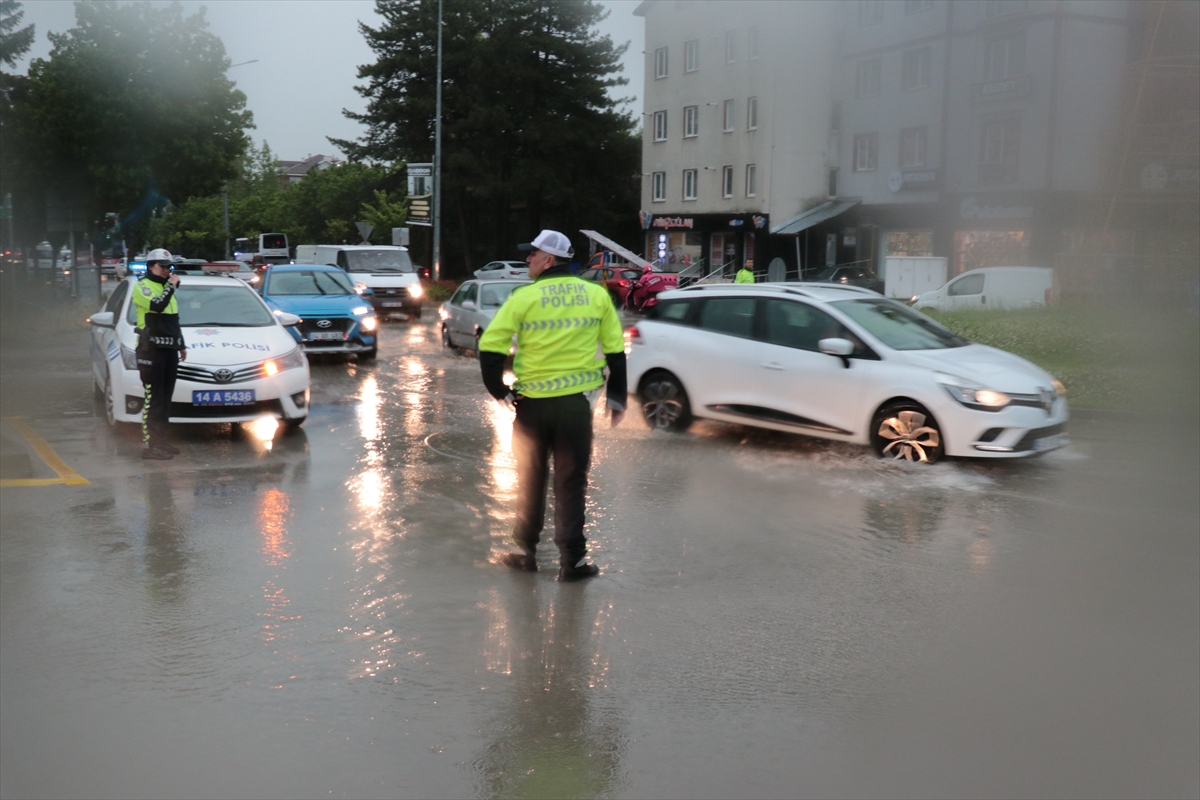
{"x": 293, "y": 424}
{"x": 665, "y": 403}
{"x": 110, "y": 409}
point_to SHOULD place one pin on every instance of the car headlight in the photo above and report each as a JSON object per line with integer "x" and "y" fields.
{"x": 293, "y": 360}
{"x": 368, "y": 324}
{"x": 1058, "y": 387}
{"x": 358, "y": 311}
{"x": 128, "y": 358}
{"x": 360, "y": 287}
{"x": 971, "y": 394}
{"x": 416, "y": 290}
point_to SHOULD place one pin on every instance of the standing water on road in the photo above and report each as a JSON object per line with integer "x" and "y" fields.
{"x": 776, "y": 616}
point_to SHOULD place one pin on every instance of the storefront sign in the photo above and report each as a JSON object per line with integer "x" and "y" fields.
{"x": 672, "y": 222}
{"x": 420, "y": 194}
{"x": 1156, "y": 176}
{"x": 969, "y": 208}
{"x": 909, "y": 181}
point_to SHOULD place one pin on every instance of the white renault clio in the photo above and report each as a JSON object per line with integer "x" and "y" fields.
{"x": 841, "y": 363}
{"x": 242, "y": 364}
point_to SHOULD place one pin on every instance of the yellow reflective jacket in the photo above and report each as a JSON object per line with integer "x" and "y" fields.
{"x": 563, "y": 325}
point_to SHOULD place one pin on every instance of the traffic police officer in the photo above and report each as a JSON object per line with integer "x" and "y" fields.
{"x": 160, "y": 348}
{"x": 562, "y": 324}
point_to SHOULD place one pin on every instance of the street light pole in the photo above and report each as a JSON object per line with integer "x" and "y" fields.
{"x": 437, "y": 161}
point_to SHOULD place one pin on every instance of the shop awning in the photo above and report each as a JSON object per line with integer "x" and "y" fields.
{"x": 814, "y": 216}
{"x": 609, "y": 244}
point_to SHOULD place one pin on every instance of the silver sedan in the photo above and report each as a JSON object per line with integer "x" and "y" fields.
{"x": 466, "y": 315}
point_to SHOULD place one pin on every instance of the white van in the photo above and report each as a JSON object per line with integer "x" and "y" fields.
{"x": 384, "y": 269}
{"x": 993, "y": 287}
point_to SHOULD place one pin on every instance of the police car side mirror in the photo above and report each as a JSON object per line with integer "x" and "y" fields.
{"x": 469, "y": 305}
{"x": 103, "y": 319}
{"x": 287, "y": 320}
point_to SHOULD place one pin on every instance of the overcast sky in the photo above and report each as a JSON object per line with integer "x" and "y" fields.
{"x": 308, "y": 53}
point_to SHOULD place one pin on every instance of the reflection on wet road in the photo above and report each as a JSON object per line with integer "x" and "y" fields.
{"x": 776, "y": 616}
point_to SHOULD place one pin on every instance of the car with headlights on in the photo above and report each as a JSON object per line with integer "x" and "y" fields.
{"x": 334, "y": 318}
{"x": 465, "y": 316}
{"x": 840, "y": 363}
{"x": 242, "y": 363}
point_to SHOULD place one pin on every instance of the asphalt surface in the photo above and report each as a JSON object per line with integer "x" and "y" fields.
{"x": 776, "y": 616}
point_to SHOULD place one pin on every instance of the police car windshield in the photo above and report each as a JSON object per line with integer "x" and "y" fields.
{"x": 229, "y": 306}
{"x": 897, "y": 326}
{"x": 378, "y": 261}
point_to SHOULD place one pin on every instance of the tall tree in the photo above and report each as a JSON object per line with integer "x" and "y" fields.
{"x": 530, "y": 136}
{"x": 132, "y": 107}
{"x": 14, "y": 42}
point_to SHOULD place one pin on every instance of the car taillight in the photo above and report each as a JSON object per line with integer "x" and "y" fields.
{"x": 624, "y": 282}
{"x": 632, "y": 336}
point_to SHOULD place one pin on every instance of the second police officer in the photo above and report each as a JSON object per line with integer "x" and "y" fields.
{"x": 562, "y": 325}
{"x": 160, "y": 348}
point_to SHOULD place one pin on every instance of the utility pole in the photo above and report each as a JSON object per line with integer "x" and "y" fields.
{"x": 437, "y": 161}
{"x": 225, "y": 211}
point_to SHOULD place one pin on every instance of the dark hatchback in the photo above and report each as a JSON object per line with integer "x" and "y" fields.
{"x": 850, "y": 276}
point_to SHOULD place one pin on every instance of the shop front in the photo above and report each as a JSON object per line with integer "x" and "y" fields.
{"x": 1009, "y": 229}
{"x": 704, "y": 243}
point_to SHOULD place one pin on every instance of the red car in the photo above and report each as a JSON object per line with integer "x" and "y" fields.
{"x": 618, "y": 280}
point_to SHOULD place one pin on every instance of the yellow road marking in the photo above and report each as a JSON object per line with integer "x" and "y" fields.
{"x": 46, "y": 453}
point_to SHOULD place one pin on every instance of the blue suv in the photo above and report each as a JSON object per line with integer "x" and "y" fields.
{"x": 334, "y": 318}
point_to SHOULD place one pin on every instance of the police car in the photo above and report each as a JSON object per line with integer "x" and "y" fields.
{"x": 242, "y": 363}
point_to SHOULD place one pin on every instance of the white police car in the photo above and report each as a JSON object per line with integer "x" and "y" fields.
{"x": 242, "y": 363}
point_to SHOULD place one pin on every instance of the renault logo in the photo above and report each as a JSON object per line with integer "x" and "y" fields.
{"x": 223, "y": 375}
{"x": 324, "y": 323}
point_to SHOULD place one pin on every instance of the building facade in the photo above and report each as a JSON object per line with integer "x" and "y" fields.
{"x": 802, "y": 135}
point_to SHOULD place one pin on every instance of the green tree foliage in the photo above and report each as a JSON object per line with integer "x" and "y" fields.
{"x": 132, "y": 108}
{"x": 531, "y": 138}
{"x": 320, "y": 209}
{"x": 14, "y": 42}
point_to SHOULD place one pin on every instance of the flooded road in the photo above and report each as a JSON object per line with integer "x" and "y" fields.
{"x": 776, "y": 617}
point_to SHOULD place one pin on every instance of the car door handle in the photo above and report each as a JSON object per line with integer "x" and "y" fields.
{"x": 772, "y": 365}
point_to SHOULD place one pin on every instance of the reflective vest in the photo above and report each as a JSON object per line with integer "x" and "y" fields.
{"x": 160, "y": 328}
{"x": 563, "y": 326}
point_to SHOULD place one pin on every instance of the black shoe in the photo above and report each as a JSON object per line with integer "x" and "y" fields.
{"x": 523, "y": 562}
{"x": 578, "y": 572}
{"x": 157, "y": 454}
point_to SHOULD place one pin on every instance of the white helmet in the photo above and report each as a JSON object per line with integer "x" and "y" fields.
{"x": 159, "y": 254}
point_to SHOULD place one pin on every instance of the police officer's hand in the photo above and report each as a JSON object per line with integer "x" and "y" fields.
{"x": 183, "y": 355}
{"x": 173, "y": 280}
{"x": 616, "y": 418}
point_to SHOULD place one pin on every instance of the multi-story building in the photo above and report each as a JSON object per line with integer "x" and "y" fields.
{"x": 978, "y": 130}
{"x": 737, "y": 104}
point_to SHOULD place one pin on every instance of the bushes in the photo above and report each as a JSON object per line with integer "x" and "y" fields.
{"x": 439, "y": 291}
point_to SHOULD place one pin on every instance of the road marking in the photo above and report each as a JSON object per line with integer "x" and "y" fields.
{"x": 46, "y": 453}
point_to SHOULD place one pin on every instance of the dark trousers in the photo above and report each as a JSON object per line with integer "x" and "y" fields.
{"x": 158, "y": 373}
{"x": 560, "y": 427}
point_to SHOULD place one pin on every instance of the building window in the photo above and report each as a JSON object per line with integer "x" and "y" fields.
{"x": 691, "y": 55}
{"x": 833, "y": 181}
{"x": 868, "y": 78}
{"x": 730, "y": 46}
{"x": 660, "y": 62}
{"x": 752, "y": 114}
{"x": 752, "y": 42}
{"x": 916, "y": 6}
{"x": 660, "y": 126}
{"x": 915, "y": 71}
{"x": 1003, "y": 57}
{"x": 660, "y": 187}
{"x": 691, "y": 121}
{"x": 870, "y": 12}
{"x": 727, "y": 181}
{"x": 689, "y": 184}
{"x": 913, "y": 145}
{"x": 866, "y": 151}
{"x": 751, "y": 180}
{"x": 727, "y": 122}
{"x": 999, "y": 145}
{"x": 998, "y": 8}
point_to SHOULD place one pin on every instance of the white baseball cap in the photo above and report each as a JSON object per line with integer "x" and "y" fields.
{"x": 159, "y": 254}
{"x": 551, "y": 242}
